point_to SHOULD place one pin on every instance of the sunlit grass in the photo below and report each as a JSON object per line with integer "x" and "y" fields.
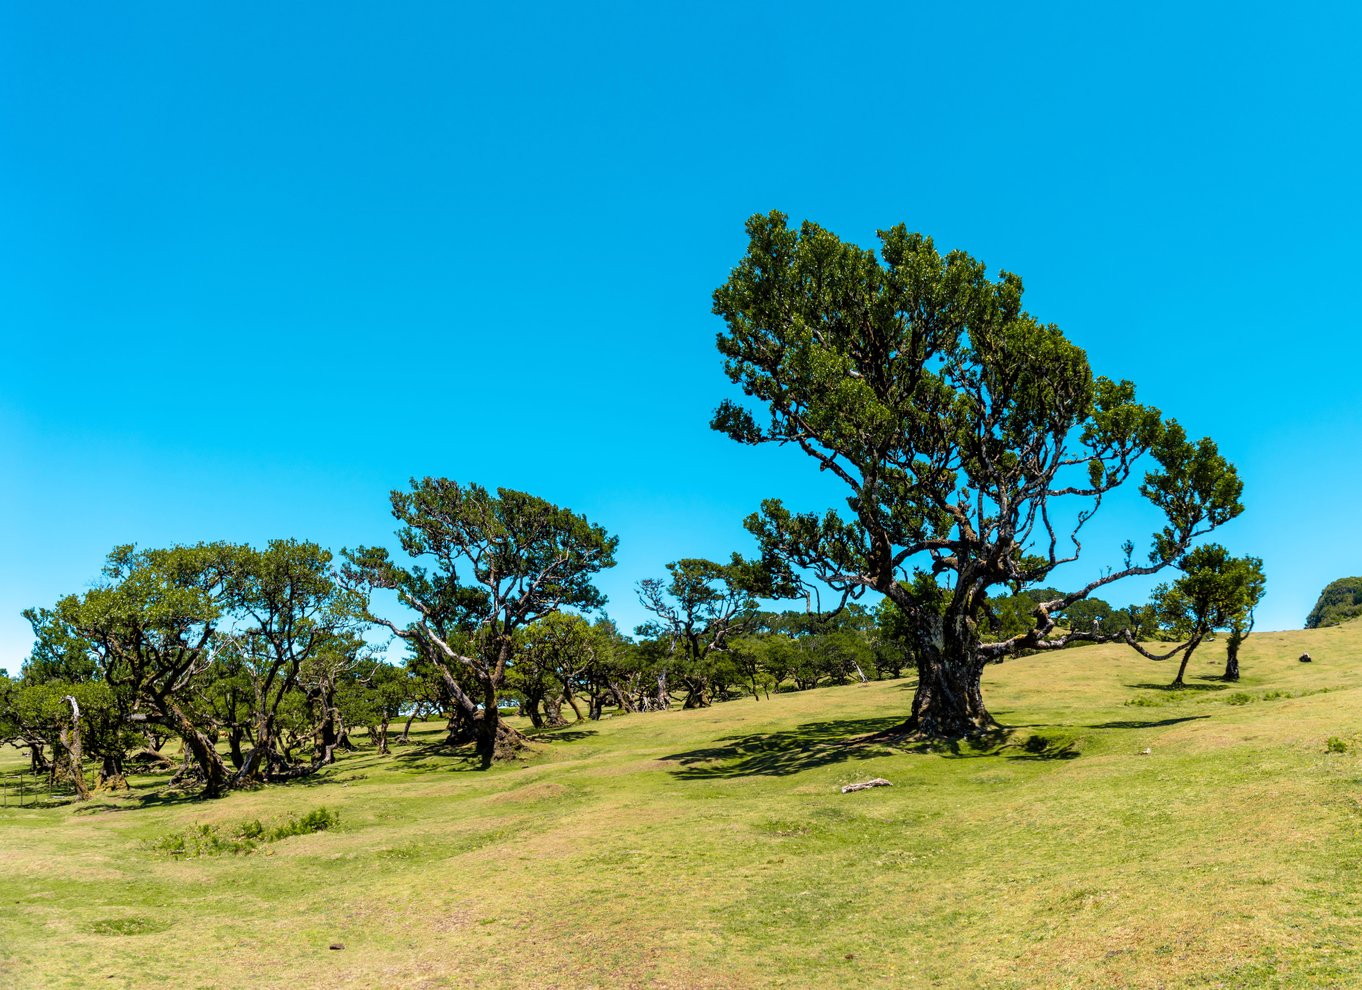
{"x": 1121, "y": 835}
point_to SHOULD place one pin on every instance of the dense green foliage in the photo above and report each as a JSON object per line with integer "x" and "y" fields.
{"x": 973, "y": 441}
{"x": 1214, "y": 591}
{"x": 1340, "y": 601}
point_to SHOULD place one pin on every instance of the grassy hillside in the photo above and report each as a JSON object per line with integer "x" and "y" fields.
{"x": 1124, "y": 836}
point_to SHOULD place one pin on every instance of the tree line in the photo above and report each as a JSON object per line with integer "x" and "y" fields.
{"x": 973, "y": 443}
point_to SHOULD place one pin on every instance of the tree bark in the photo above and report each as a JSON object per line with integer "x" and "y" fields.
{"x": 406, "y": 729}
{"x": 205, "y": 754}
{"x": 70, "y": 739}
{"x": 949, "y": 701}
{"x": 234, "y": 735}
{"x": 487, "y": 729}
{"x": 553, "y": 711}
{"x": 529, "y": 708}
{"x": 621, "y": 699}
{"x": 1232, "y": 656}
{"x": 496, "y": 739}
{"x": 1182, "y": 667}
{"x": 38, "y": 762}
{"x": 111, "y": 775}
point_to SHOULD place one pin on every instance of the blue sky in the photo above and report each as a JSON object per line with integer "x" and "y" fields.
{"x": 260, "y": 264}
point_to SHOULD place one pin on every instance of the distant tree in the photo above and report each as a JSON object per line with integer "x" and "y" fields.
{"x": 1215, "y": 591}
{"x": 286, "y": 607}
{"x": 1251, "y": 584}
{"x": 965, "y": 433}
{"x": 697, "y": 613}
{"x": 62, "y": 664}
{"x": 498, "y": 563}
{"x": 1141, "y": 621}
{"x": 555, "y": 655}
{"x": 373, "y": 698}
{"x": 613, "y": 674}
{"x": 1340, "y": 601}
{"x": 151, "y": 630}
{"x": 51, "y": 713}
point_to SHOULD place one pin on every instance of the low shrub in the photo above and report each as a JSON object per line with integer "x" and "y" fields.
{"x": 243, "y": 837}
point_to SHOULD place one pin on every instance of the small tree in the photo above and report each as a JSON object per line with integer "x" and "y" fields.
{"x": 1252, "y": 584}
{"x": 697, "y": 613}
{"x": 1215, "y": 591}
{"x": 972, "y": 440}
{"x": 499, "y": 562}
{"x": 151, "y": 630}
{"x": 286, "y": 607}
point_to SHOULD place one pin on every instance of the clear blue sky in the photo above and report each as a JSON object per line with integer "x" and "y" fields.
{"x": 260, "y": 264}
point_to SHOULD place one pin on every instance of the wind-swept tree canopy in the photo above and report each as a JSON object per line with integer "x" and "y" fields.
{"x": 497, "y": 563}
{"x": 973, "y": 441}
{"x": 1215, "y": 591}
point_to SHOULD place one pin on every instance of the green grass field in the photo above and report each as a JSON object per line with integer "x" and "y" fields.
{"x": 1123, "y": 836}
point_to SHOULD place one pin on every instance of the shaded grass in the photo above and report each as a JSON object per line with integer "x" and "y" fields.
{"x": 1208, "y": 844}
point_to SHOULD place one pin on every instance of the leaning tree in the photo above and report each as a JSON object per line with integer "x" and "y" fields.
{"x": 973, "y": 441}
{"x": 1215, "y": 591}
{"x": 497, "y": 563}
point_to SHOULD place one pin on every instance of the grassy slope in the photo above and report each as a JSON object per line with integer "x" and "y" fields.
{"x": 713, "y": 849}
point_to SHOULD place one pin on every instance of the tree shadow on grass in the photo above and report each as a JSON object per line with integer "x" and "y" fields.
{"x": 171, "y": 797}
{"x": 1217, "y": 684}
{"x": 1000, "y": 743}
{"x": 437, "y": 756}
{"x": 1138, "y": 724}
{"x": 561, "y": 734}
{"x": 818, "y": 744}
{"x": 779, "y": 754}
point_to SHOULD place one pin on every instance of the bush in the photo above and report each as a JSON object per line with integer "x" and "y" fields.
{"x": 243, "y": 837}
{"x": 1336, "y": 745}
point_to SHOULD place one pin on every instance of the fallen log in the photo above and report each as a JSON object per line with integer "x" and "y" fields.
{"x": 877, "y": 782}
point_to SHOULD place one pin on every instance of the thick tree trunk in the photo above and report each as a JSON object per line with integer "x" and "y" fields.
{"x": 328, "y": 738}
{"x": 496, "y": 739}
{"x": 70, "y": 738}
{"x": 529, "y": 708}
{"x": 621, "y": 699}
{"x": 111, "y": 776}
{"x": 205, "y": 754}
{"x": 697, "y": 693}
{"x": 234, "y": 753}
{"x": 38, "y": 763}
{"x": 553, "y": 712}
{"x": 949, "y": 701}
{"x": 1232, "y": 657}
{"x": 487, "y": 729}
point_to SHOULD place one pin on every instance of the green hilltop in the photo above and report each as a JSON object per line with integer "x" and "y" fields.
{"x": 1340, "y": 601}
